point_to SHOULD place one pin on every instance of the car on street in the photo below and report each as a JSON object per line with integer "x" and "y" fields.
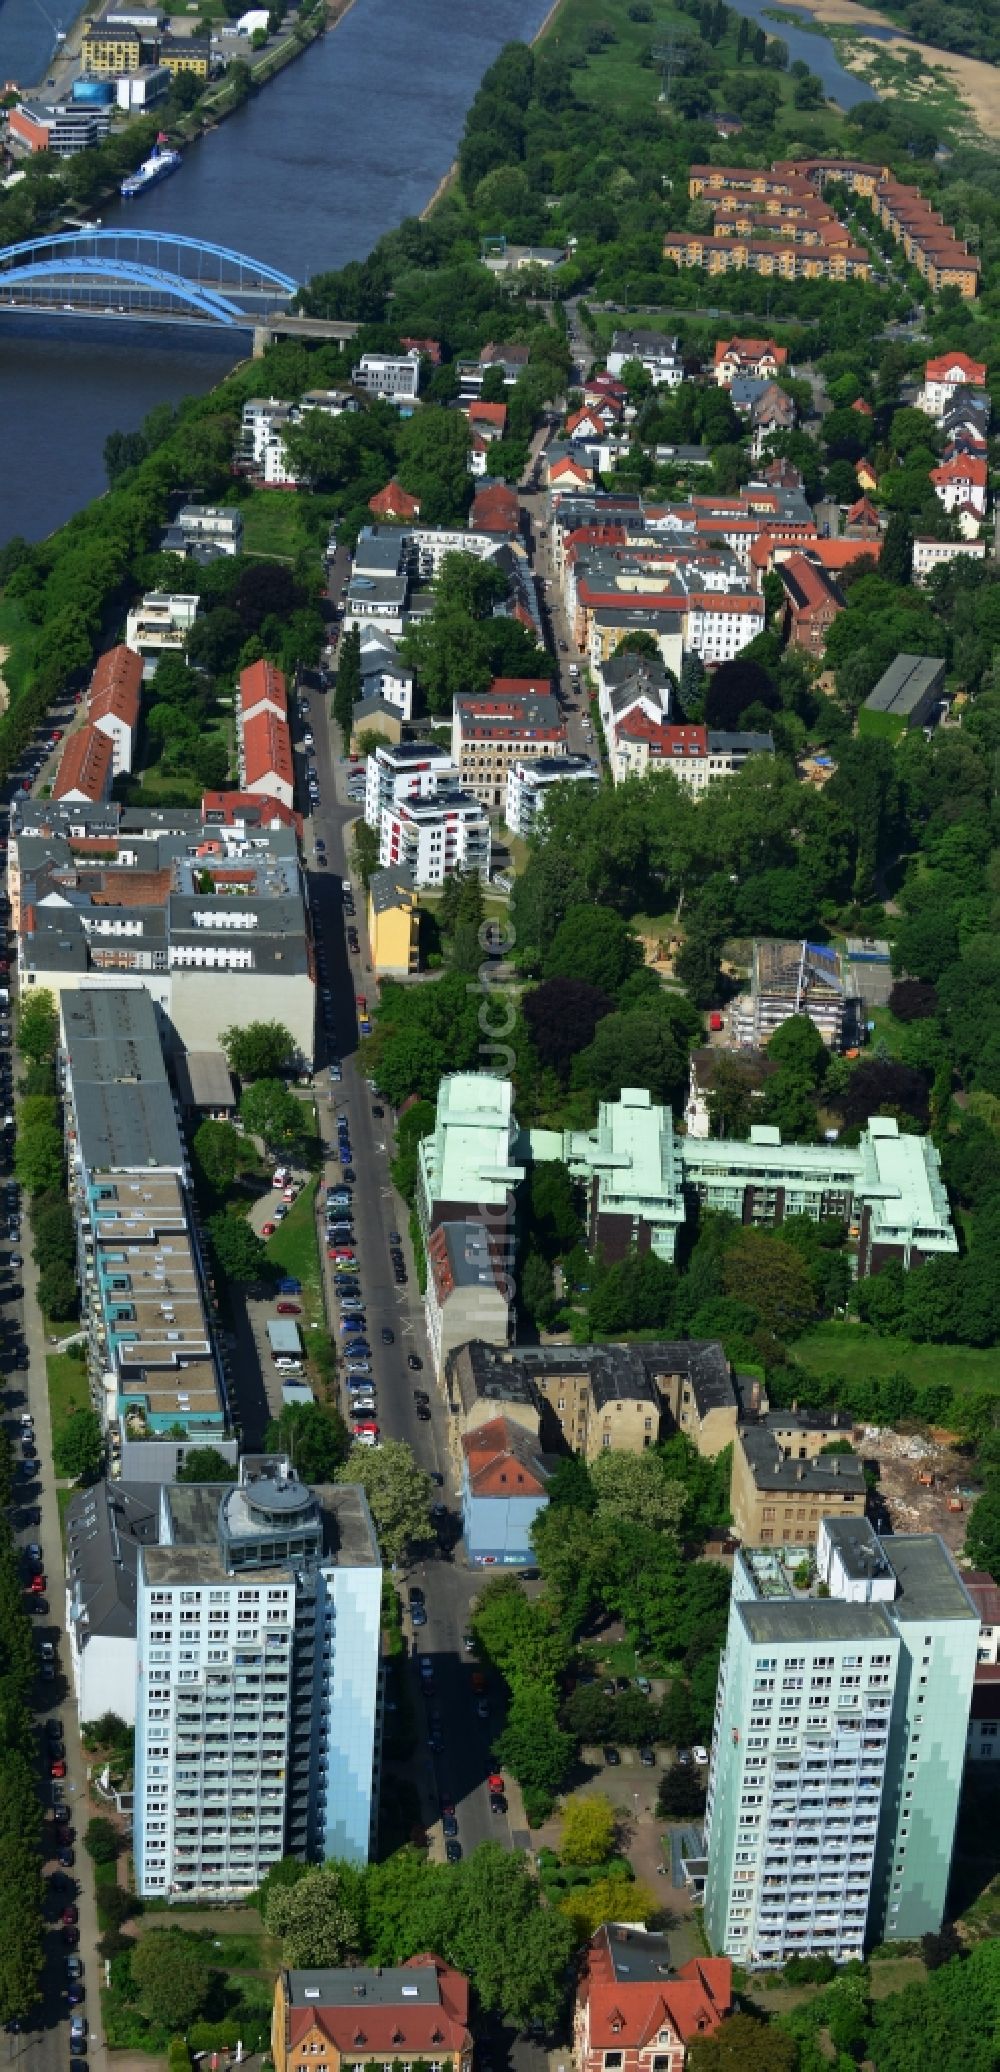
{"x": 418, "y": 1615}
{"x": 423, "y": 1413}
{"x": 449, "y": 1825}
{"x": 498, "y": 1802}
{"x": 612, "y": 1757}
{"x": 57, "y": 1768}
{"x": 700, "y": 1753}
{"x": 453, "y": 1852}
{"x": 647, "y": 1756}
{"x": 350, "y": 1303}
{"x": 421, "y": 1396}
{"x": 414, "y": 1361}
{"x": 483, "y": 1708}
{"x": 289, "y": 1309}
{"x": 69, "y": 1916}
{"x": 268, "y": 1229}
{"x": 74, "y": 1967}
{"x": 71, "y": 1937}
{"x": 388, "y": 1335}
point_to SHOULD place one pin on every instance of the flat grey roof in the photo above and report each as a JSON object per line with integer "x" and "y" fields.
{"x": 204, "y": 1079}
{"x": 815, "y": 1618}
{"x": 906, "y": 681}
{"x": 126, "y": 1125}
{"x": 383, "y": 1987}
{"x": 930, "y": 1586}
{"x": 859, "y": 1547}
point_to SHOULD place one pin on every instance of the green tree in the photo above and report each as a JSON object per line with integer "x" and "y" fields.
{"x": 102, "y": 1840}
{"x": 317, "y": 1919}
{"x": 593, "y": 944}
{"x": 270, "y": 1112}
{"x": 399, "y": 1493}
{"x": 553, "y": 1208}
{"x": 172, "y": 1976}
{"x": 533, "y": 1745}
{"x": 587, "y": 1835}
{"x": 314, "y": 1437}
{"x": 78, "y": 1448}
{"x": 517, "y": 1633}
{"x": 262, "y": 1050}
{"x": 38, "y": 1155}
{"x": 205, "y": 1464}
{"x": 982, "y": 1539}
{"x": 744, "y": 2043}
{"x": 58, "y": 1291}
{"x": 364, "y": 851}
{"x": 221, "y": 1154}
{"x": 615, "y": 1898}
{"x": 513, "y": 1948}
{"x": 239, "y": 1253}
{"x": 348, "y": 685}
{"x": 37, "y": 1025}
{"x": 896, "y": 558}
{"x": 774, "y": 1277}
{"x": 633, "y": 1488}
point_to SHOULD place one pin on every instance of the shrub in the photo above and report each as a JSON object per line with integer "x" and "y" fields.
{"x": 102, "y": 1840}
{"x": 538, "y": 1805}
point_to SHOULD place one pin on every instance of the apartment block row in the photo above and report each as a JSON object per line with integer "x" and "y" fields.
{"x": 96, "y": 752}
{"x": 267, "y": 764}
{"x": 152, "y": 1353}
{"x": 237, "y": 1625}
{"x": 167, "y": 899}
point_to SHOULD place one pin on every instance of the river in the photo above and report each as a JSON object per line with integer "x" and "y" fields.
{"x": 814, "y": 48}
{"x": 350, "y": 139}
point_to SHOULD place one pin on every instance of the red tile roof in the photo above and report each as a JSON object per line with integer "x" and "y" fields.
{"x": 809, "y": 588}
{"x": 487, "y": 413}
{"x": 267, "y": 750}
{"x": 118, "y": 667}
{"x": 627, "y": 2015}
{"x": 681, "y": 743}
{"x": 503, "y": 1461}
{"x": 406, "y": 2029}
{"x": 967, "y": 467}
{"x": 116, "y": 700}
{"x": 85, "y": 765}
{"x": 394, "y": 502}
{"x": 226, "y": 807}
{"x": 958, "y": 367}
{"x": 750, "y": 349}
{"x": 496, "y": 509}
{"x": 263, "y": 683}
{"x": 837, "y": 554}
{"x": 864, "y": 409}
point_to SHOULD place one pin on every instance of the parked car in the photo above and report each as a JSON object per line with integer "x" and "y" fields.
{"x": 414, "y": 1361}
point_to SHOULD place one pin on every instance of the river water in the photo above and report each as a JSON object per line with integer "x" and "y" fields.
{"x": 816, "y": 50}
{"x": 351, "y": 138}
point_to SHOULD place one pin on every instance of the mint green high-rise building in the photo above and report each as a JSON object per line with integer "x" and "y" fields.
{"x": 839, "y": 1746}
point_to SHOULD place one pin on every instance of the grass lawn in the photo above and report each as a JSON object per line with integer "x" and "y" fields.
{"x": 68, "y": 1390}
{"x": 855, "y": 1353}
{"x": 295, "y": 1248}
{"x": 273, "y": 525}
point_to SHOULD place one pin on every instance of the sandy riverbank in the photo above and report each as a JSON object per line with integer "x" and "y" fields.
{"x": 976, "y": 82}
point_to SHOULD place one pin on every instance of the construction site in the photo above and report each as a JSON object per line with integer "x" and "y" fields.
{"x": 923, "y": 1482}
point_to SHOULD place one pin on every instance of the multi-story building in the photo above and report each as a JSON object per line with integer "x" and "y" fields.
{"x": 152, "y": 1356}
{"x": 160, "y": 625}
{"x": 961, "y": 483}
{"x": 659, "y": 355}
{"x": 205, "y": 532}
{"x": 760, "y": 358}
{"x": 108, "y": 48}
{"x": 393, "y": 377}
{"x": 636, "y": 2010}
{"x": 86, "y": 767}
{"x": 113, "y": 703}
{"x": 944, "y": 377}
{"x": 415, "y": 2013}
{"x": 812, "y": 601}
{"x": 503, "y": 1486}
{"x": 839, "y": 1744}
{"x": 984, "y": 1718}
{"x": 384, "y": 674}
{"x": 528, "y": 784}
{"x": 929, "y": 554}
{"x": 432, "y": 838}
{"x": 789, "y": 978}
{"x": 393, "y": 924}
{"x": 166, "y": 899}
{"x": 258, "y": 1705}
{"x": 783, "y": 1483}
{"x": 62, "y": 127}
{"x": 587, "y": 1399}
{"x": 467, "y": 1173}
{"x": 514, "y": 721}
{"x": 398, "y": 773}
{"x": 697, "y": 756}
{"x": 630, "y": 1167}
{"x": 789, "y": 258}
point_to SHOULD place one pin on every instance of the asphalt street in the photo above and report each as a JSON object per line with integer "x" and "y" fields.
{"x": 458, "y": 1770}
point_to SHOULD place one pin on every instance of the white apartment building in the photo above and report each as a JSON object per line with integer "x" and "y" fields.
{"x": 258, "y": 1702}
{"x": 839, "y": 1745}
{"x": 402, "y": 771}
{"x": 160, "y": 624}
{"x": 931, "y": 554}
{"x": 395, "y": 377}
{"x": 433, "y": 837}
{"x": 658, "y": 354}
{"x": 384, "y": 674}
{"x": 719, "y": 627}
{"x": 528, "y": 784}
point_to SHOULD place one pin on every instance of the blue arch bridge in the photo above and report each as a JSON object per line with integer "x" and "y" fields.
{"x": 152, "y": 275}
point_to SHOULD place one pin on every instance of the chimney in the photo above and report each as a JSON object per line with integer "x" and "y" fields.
{"x": 800, "y": 1472}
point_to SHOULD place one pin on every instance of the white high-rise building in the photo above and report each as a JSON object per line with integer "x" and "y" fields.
{"x": 258, "y": 1694}
{"x": 839, "y": 1745}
